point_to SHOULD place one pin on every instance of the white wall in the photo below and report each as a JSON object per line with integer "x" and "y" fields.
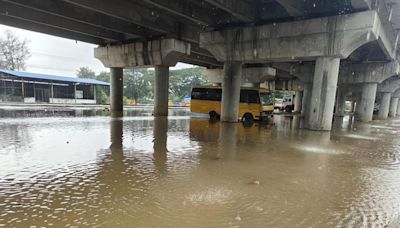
{"x": 71, "y": 101}
{"x": 29, "y": 100}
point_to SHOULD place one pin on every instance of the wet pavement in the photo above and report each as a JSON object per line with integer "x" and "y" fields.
{"x": 81, "y": 168}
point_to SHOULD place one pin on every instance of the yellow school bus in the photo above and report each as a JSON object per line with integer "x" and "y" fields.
{"x": 255, "y": 103}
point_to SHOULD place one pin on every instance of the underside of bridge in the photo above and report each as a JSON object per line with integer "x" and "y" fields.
{"x": 320, "y": 44}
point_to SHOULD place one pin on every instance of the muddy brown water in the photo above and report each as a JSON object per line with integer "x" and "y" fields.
{"x": 75, "y": 168}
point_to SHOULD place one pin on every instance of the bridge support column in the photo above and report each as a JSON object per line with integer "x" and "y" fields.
{"x": 117, "y": 89}
{"x": 323, "y": 93}
{"x": 161, "y": 54}
{"x": 340, "y": 102}
{"x": 161, "y": 91}
{"x": 352, "y": 106}
{"x": 365, "y": 106}
{"x": 394, "y": 102}
{"x": 306, "y": 101}
{"x": 231, "y": 91}
{"x": 385, "y": 106}
{"x": 398, "y": 108}
{"x": 297, "y": 101}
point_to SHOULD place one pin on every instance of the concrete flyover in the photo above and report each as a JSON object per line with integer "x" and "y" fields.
{"x": 364, "y": 79}
{"x": 388, "y": 103}
{"x": 312, "y": 46}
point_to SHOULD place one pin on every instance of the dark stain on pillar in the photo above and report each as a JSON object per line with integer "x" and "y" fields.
{"x": 324, "y": 87}
{"x": 146, "y": 57}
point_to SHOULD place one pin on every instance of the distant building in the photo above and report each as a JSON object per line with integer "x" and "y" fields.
{"x": 41, "y": 88}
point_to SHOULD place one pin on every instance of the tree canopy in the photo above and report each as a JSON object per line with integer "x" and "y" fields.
{"x": 139, "y": 83}
{"x": 13, "y": 51}
{"x": 86, "y": 72}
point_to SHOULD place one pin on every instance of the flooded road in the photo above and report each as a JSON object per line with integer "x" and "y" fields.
{"x": 81, "y": 168}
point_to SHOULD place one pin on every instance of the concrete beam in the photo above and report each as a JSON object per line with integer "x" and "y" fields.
{"x": 336, "y": 36}
{"x": 294, "y": 8}
{"x": 166, "y": 52}
{"x": 201, "y": 60}
{"x": 361, "y": 4}
{"x": 249, "y": 75}
{"x": 240, "y": 9}
{"x": 304, "y": 72}
{"x": 289, "y": 85}
{"x": 396, "y": 93}
{"x": 184, "y": 9}
{"x": 389, "y": 85}
{"x": 199, "y": 55}
{"x": 92, "y": 18}
{"x": 28, "y": 25}
{"x": 18, "y": 12}
{"x": 119, "y": 9}
{"x": 138, "y": 15}
{"x": 368, "y": 72}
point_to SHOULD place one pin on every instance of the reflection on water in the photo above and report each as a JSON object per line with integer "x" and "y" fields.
{"x": 24, "y": 112}
{"x": 93, "y": 170}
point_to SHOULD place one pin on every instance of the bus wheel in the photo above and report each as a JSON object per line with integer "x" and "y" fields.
{"x": 213, "y": 115}
{"x": 248, "y": 117}
{"x": 288, "y": 108}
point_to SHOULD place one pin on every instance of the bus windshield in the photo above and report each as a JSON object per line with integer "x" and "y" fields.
{"x": 266, "y": 99}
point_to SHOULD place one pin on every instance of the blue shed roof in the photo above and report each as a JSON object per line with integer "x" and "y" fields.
{"x": 54, "y": 77}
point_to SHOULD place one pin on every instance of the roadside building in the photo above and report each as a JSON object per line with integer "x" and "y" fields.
{"x": 41, "y": 88}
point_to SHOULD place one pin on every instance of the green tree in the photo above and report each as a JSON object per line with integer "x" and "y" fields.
{"x": 103, "y": 76}
{"x": 103, "y": 96}
{"x": 85, "y": 72}
{"x": 182, "y": 81}
{"x": 138, "y": 84}
{"x": 13, "y": 51}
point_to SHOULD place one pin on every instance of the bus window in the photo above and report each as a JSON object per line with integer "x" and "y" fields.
{"x": 249, "y": 96}
{"x": 206, "y": 94}
{"x": 267, "y": 99}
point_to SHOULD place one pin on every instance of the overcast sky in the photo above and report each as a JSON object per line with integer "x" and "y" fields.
{"x": 59, "y": 56}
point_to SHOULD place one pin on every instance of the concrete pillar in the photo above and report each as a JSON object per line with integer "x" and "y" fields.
{"x": 340, "y": 102}
{"x": 75, "y": 93}
{"x": 161, "y": 90}
{"x": 160, "y": 135}
{"x": 23, "y": 90}
{"x": 52, "y": 90}
{"x": 297, "y": 101}
{"x": 231, "y": 91}
{"x": 117, "y": 89}
{"x": 306, "y": 100}
{"x": 384, "y": 107}
{"x": 323, "y": 93}
{"x": 398, "y": 109}
{"x": 365, "y": 105}
{"x": 394, "y": 102}
{"x": 116, "y": 133}
{"x": 352, "y": 106}
{"x": 94, "y": 94}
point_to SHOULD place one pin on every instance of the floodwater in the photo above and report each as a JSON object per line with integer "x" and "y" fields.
{"x": 81, "y": 168}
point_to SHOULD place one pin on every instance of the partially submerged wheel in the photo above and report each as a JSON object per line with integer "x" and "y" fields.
{"x": 288, "y": 108}
{"x": 213, "y": 115}
{"x": 248, "y": 118}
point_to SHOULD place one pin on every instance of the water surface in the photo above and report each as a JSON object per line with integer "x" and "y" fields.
{"x": 78, "y": 168}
